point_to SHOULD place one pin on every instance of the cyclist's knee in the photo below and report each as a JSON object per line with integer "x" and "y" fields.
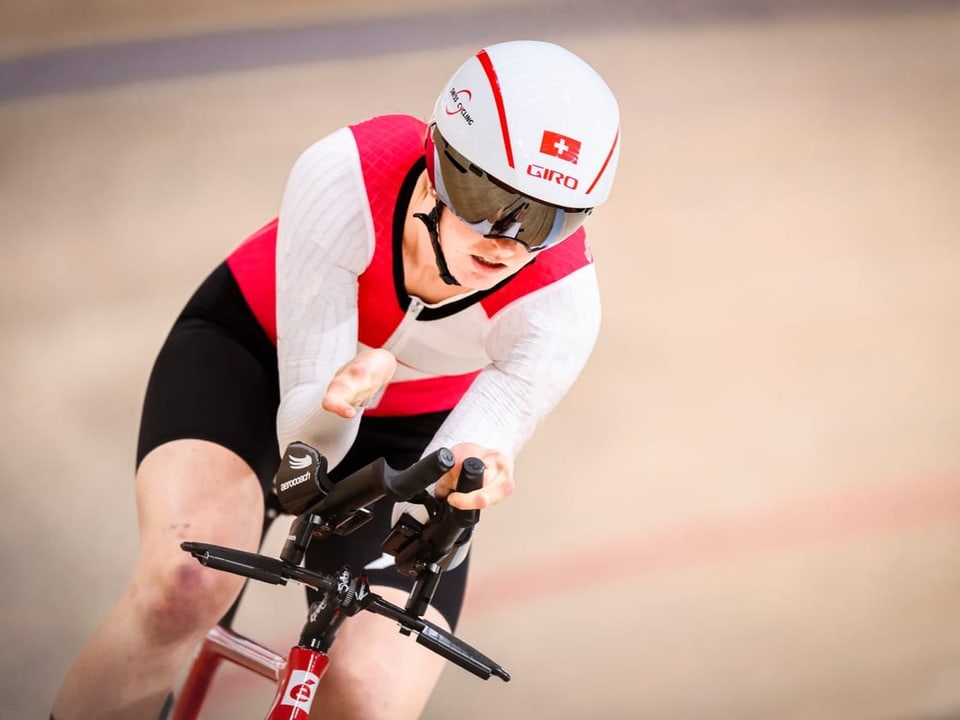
{"x": 178, "y": 598}
{"x": 172, "y": 596}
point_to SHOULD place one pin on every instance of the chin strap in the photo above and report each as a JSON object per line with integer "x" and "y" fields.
{"x": 432, "y": 221}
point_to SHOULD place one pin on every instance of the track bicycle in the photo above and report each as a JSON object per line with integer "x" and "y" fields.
{"x": 422, "y": 551}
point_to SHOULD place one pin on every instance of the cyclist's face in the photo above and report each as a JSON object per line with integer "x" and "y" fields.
{"x": 479, "y": 262}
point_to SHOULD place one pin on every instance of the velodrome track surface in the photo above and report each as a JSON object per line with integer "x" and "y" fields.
{"x": 749, "y": 506}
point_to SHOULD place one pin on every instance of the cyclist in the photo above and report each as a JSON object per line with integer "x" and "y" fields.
{"x": 424, "y": 285}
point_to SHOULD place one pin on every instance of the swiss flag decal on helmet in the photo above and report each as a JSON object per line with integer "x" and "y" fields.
{"x": 560, "y": 146}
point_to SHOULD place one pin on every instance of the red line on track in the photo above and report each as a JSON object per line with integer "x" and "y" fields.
{"x": 788, "y": 524}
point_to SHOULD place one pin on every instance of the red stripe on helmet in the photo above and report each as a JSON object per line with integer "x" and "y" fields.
{"x": 487, "y": 66}
{"x": 606, "y": 162}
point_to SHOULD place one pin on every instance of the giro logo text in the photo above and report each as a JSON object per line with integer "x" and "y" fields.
{"x": 538, "y": 171}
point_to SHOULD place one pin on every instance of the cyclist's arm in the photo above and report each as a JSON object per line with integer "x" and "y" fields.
{"x": 324, "y": 242}
{"x": 538, "y": 347}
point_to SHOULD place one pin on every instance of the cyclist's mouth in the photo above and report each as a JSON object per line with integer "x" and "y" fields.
{"x": 487, "y": 264}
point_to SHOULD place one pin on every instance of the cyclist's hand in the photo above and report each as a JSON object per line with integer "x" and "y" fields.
{"x": 497, "y": 478}
{"x": 358, "y": 381}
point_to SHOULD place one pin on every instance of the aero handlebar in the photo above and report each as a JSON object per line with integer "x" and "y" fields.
{"x": 323, "y": 508}
{"x": 278, "y": 572}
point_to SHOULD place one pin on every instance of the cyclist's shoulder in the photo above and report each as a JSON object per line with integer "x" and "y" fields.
{"x": 570, "y": 255}
{"x": 378, "y": 131}
{"x": 389, "y": 145}
{"x": 391, "y": 123}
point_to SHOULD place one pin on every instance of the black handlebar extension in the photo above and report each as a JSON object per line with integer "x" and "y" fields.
{"x": 441, "y": 642}
{"x": 424, "y": 552}
{"x": 257, "y": 567}
{"x": 446, "y": 526}
{"x": 471, "y": 478}
{"x": 323, "y": 508}
{"x": 453, "y": 649}
{"x": 377, "y": 480}
{"x": 404, "y": 484}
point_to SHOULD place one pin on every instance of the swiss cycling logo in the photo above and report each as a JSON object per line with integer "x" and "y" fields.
{"x": 457, "y": 104}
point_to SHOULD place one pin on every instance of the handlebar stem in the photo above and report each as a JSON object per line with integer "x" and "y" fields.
{"x": 335, "y": 605}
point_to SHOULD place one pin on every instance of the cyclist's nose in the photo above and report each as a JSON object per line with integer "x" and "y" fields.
{"x": 504, "y": 247}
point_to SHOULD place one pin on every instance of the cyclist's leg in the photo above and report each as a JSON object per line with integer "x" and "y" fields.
{"x": 186, "y": 489}
{"x": 375, "y": 673}
{"x": 207, "y": 444}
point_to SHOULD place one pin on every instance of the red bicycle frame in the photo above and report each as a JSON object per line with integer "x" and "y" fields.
{"x": 298, "y": 684}
{"x": 296, "y": 676}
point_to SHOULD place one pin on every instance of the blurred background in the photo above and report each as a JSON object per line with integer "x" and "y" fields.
{"x": 747, "y": 508}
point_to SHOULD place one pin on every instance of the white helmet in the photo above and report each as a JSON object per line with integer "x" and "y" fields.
{"x": 524, "y": 142}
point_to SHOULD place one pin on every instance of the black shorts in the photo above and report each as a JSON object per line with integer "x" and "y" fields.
{"x": 216, "y": 379}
